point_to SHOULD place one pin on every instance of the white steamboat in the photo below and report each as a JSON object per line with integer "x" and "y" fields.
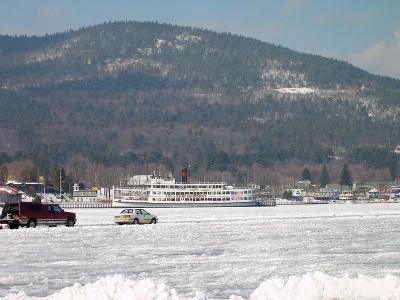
{"x": 157, "y": 191}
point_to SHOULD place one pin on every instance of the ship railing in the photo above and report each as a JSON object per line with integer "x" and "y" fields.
{"x": 86, "y": 204}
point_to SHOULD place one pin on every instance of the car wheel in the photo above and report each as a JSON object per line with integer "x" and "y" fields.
{"x": 120, "y": 223}
{"x": 31, "y": 224}
{"x": 136, "y": 221}
{"x": 70, "y": 223}
{"x": 153, "y": 221}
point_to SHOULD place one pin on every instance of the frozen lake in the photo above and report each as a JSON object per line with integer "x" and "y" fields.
{"x": 284, "y": 252}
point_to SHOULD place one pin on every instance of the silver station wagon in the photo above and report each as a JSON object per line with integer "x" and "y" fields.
{"x": 135, "y": 216}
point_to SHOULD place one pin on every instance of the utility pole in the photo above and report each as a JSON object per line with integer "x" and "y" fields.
{"x": 60, "y": 184}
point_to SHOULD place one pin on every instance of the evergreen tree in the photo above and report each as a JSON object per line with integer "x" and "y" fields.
{"x": 345, "y": 176}
{"x": 34, "y": 174}
{"x": 306, "y": 174}
{"x": 324, "y": 177}
{"x": 287, "y": 194}
{"x": 393, "y": 168}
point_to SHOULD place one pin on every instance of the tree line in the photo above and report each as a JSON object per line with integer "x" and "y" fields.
{"x": 324, "y": 178}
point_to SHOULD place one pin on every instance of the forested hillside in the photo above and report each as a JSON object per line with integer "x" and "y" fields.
{"x": 131, "y": 93}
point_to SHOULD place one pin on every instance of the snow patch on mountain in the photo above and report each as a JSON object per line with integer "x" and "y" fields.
{"x": 145, "y": 51}
{"x": 45, "y": 56}
{"x": 275, "y": 75}
{"x": 180, "y": 43}
{"x": 119, "y": 65}
{"x": 51, "y": 53}
{"x": 183, "y": 41}
{"x": 300, "y": 90}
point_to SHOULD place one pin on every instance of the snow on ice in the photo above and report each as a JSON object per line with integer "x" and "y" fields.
{"x": 286, "y": 252}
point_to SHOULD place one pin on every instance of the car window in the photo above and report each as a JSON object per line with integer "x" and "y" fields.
{"x": 137, "y": 211}
{"x": 125, "y": 211}
{"x": 49, "y": 207}
{"x": 34, "y": 207}
{"x": 56, "y": 208}
{"x": 144, "y": 212}
{"x": 130, "y": 211}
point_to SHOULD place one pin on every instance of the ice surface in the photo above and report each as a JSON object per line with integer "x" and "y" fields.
{"x": 285, "y": 252}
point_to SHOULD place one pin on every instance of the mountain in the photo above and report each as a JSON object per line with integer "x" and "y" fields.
{"x": 141, "y": 92}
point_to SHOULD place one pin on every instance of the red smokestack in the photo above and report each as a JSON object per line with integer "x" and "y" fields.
{"x": 184, "y": 175}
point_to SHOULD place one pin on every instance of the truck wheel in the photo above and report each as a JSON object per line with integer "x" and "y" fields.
{"x": 70, "y": 223}
{"x": 136, "y": 221}
{"x": 153, "y": 221}
{"x": 31, "y": 223}
{"x": 13, "y": 226}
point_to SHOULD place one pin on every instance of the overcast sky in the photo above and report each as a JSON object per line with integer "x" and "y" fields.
{"x": 364, "y": 32}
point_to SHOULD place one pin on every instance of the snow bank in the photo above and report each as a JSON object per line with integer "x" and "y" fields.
{"x": 112, "y": 287}
{"x": 317, "y": 285}
{"x": 311, "y": 286}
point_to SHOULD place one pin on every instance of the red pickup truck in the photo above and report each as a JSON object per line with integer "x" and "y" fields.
{"x": 30, "y": 214}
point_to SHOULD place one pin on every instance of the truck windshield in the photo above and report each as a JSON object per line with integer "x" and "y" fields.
{"x": 10, "y": 209}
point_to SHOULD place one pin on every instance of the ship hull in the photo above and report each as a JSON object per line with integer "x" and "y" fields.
{"x": 146, "y": 204}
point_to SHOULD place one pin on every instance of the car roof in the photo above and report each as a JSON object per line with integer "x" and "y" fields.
{"x": 133, "y": 208}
